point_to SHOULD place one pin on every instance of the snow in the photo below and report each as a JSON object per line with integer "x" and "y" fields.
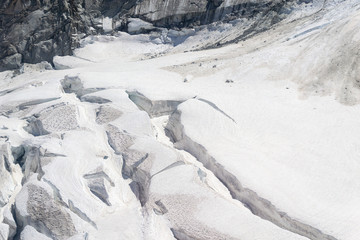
{"x": 30, "y": 233}
{"x": 137, "y": 25}
{"x": 107, "y": 24}
{"x": 4, "y": 231}
{"x": 285, "y": 125}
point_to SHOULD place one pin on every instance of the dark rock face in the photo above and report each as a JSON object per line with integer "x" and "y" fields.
{"x": 182, "y": 13}
{"x": 32, "y": 31}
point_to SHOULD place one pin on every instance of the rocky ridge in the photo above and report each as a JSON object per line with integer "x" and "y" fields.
{"x": 35, "y": 31}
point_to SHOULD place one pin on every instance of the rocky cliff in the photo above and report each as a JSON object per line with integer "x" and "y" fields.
{"x": 32, "y": 31}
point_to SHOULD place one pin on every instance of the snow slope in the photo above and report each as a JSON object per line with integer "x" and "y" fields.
{"x": 132, "y": 138}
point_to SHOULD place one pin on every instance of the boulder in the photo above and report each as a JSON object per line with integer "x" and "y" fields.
{"x": 11, "y": 62}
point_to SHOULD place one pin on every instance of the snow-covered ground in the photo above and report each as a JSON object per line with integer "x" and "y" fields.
{"x": 133, "y": 138}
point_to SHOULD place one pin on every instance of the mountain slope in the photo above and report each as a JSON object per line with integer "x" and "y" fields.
{"x": 135, "y": 138}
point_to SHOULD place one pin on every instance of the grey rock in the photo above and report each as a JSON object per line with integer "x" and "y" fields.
{"x": 39, "y": 30}
{"x": 11, "y": 62}
{"x": 34, "y": 31}
{"x": 166, "y": 14}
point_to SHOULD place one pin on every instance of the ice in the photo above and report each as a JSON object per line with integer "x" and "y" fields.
{"x": 136, "y": 25}
{"x": 134, "y": 138}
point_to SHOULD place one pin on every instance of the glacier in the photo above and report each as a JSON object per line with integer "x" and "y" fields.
{"x": 196, "y": 133}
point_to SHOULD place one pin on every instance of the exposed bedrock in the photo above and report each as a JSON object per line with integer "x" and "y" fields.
{"x": 256, "y": 204}
{"x": 35, "y": 31}
{"x": 180, "y": 13}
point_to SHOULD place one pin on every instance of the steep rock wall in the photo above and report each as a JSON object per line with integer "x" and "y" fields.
{"x": 32, "y": 31}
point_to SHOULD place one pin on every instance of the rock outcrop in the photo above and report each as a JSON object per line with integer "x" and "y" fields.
{"x": 35, "y": 31}
{"x": 182, "y": 13}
